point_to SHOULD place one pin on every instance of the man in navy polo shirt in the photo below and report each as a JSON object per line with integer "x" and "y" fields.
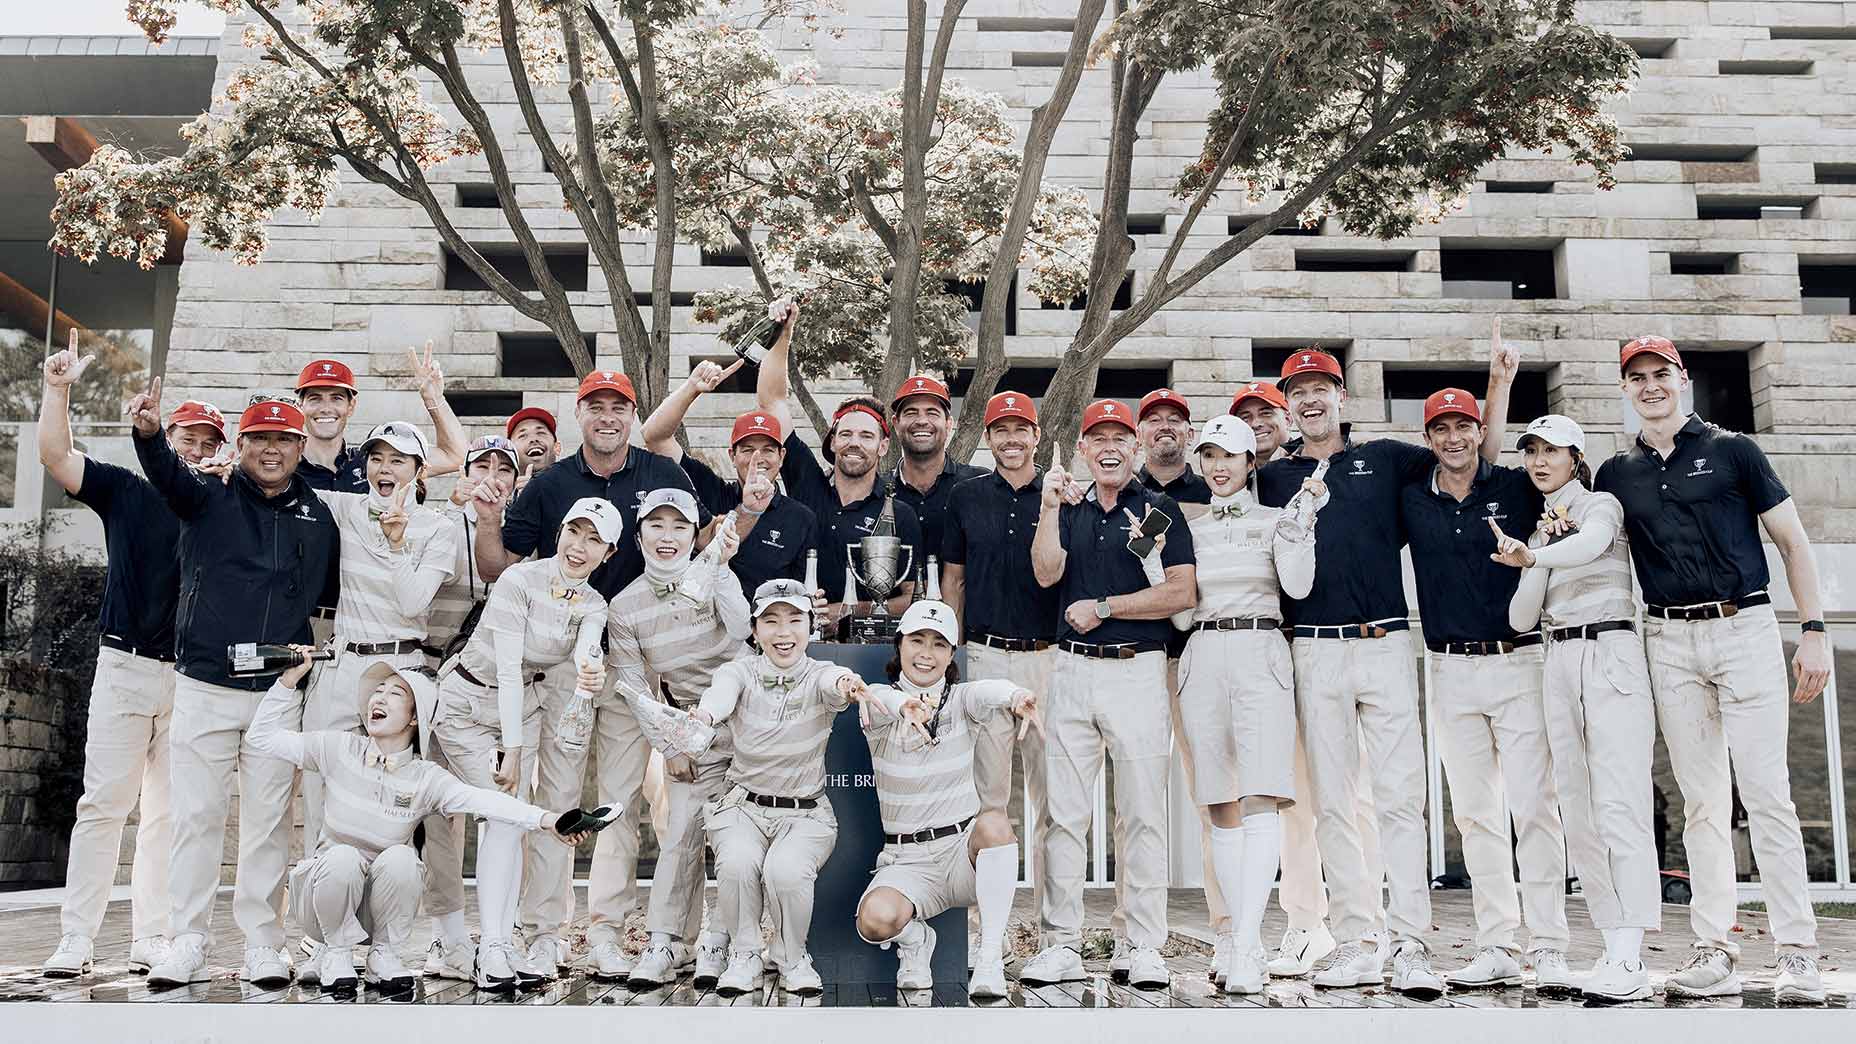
{"x": 1108, "y": 691}
{"x": 1486, "y": 702}
{"x": 925, "y": 476}
{"x": 1356, "y": 681}
{"x": 1163, "y": 423}
{"x": 1695, "y": 497}
{"x": 776, "y": 531}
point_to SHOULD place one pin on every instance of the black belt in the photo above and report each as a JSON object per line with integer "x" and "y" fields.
{"x": 1359, "y": 630}
{"x": 1009, "y": 644}
{"x": 323, "y": 612}
{"x": 432, "y": 650}
{"x": 110, "y": 641}
{"x": 1239, "y": 623}
{"x": 1567, "y": 634}
{"x": 930, "y": 834}
{"x": 1709, "y": 610}
{"x": 1519, "y": 641}
{"x": 769, "y": 801}
{"x": 469, "y": 677}
{"x": 1119, "y": 651}
{"x": 404, "y": 645}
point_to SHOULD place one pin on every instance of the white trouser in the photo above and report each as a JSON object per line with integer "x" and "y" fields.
{"x": 992, "y": 751}
{"x": 1353, "y": 695}
{"x": 1117, "y": 706}
{"x": 208, "y": 751}
{"x": 465, "y": 742}
{"x": 1300, "y": 893}
{"x": 349, "y": 899}
{"x": 125, "y": 760}
{"x": 620, "y": 754}
{"x": 1721, "y": 700}
{"x": 675, "y": 905}
{"x": 771, "y": 857}
{"x": 1492, "y": 734}
{"x": 1601, "y": 728}
{"x": 335, "y": 703}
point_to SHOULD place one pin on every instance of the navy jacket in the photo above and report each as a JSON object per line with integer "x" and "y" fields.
{"x": 252, "y": 567}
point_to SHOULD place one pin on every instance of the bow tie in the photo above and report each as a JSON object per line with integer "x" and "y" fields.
{"x": 664, "y": 590}
{"x": 1228, "y": 511}
{"x": 782, "y": 682}
{"x": 563, "y": 594}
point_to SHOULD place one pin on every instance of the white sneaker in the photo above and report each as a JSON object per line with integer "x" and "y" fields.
{"x": 656, "y": 966}
{"x": 802, "y": 978}
{"x": 1709, "y": 973}
{"x": 915, "y": 968}
{"x": 988, "y": 981}
{"x": 1119, "y": 961}
{"x": 146, "y": 953}
{"x": 335, "y": 970}
{"x": 1618, "y": 981}
{"x": 1301, "y": 950}
{"x": 1146, "y": 970}
{"x": 609, "y": 963}
{"x": 742, "y": 974}
{"x": 1353, "y": 965}
{"x": 73, "y": 957}
{"x": 1052, "y": 965}
{"x": 1222, "y": 949}
{"x": 266, "y": 967}
{"x": 495, "y": 966}
{"x": 1551, "y": 975}
{"x": 1798, "y": 981}
{"x": 386, "y": 972}
{"x": 311, "y": 973}
{"x": 711, "y": 958}
{"x": 185, "y": 963}
{"x": 1412, "y": 973}
{"x": 542, "y": 960}
{"x": 456, "y": 962}
{"x": 1493, "y": 968}
{"x": 1247, "y": 973}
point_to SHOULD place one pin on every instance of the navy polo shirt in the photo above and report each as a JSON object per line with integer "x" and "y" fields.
{"x": 142, "y": 539}
{"x": 931, "y": 507}
{"x": 1099, "y": 564}
{"x": 988, "y": 532}
{"x": 1462, "y": 594}
{"x": 1693, "y": 519}
{"x": 533, "y": 522}
{"x": 776, "y": 547}
{"x": 349, "y": 475}
{"x": 1188, "y": 488}
{"x": 841, "y": 524}
{"x": 1358, "y": 576}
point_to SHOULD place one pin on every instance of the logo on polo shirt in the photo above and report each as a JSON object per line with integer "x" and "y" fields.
{"x": 1492, "y": 508}
{"x": 1359, "y": 466}
{"x": 773, "y": 539}
{"x": 1700, "y": 468}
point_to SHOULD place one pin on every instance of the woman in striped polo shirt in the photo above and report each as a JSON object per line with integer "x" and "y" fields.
{"x": 1601, "y": 723}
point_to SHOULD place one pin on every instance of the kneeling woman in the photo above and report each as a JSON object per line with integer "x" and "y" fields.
{"x": 488, "y": 724}
{"x": 1236, "y": 682}
{"x": 773, "y": 828}
{"x": 364, "y": 877}
{"x": 940, "y": 850}
{"x": 1601, "y": 722}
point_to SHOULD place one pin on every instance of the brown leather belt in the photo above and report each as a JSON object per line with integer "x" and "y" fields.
{"x": 993, "y": 641}
{"x": 1120, "y": 651}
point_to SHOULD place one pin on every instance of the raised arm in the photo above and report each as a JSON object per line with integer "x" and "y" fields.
{"x": 56, "y": 451}
{"x": 493, "y": 556}
{"x": 268, "y": 735}
{"x": 1048, "y": 557}
{"x": 723, "y": 695}
{"x": 771, "y": 383}
{"x": 452, "y": 444}
{"x": 185, "y": 490}
{"x": 448, "y": 795}
{"x": 659, "y": 432}
{"x": 419, "y": 571}
{"x": 1504, "y": 365}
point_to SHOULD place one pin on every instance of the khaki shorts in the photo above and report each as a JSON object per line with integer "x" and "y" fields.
{"x": 935, "y": 875}
{"x": 1237, "y": 702}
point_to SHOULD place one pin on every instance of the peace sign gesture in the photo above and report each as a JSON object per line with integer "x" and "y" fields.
{"x": 427, "y": 375}
{"x": 393, "y": 520}
{"x": 1508, "y": 550}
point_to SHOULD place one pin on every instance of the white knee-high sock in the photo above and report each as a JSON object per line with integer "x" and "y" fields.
{"x": 1623, "y": 944}
{"x": 1262, "y": 854}
{"x": 450, "y": 929}
{"x": 499, "y": 879}
{"x": 1228, "y": 867}
{"x": 995, "y": 878}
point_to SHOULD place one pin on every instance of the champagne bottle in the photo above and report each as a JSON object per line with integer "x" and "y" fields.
{"x": 754, "y": 345}
{"x": 575, "y": 726}
{"x": 934, "y": 578}
{"x": 249, "y": 659}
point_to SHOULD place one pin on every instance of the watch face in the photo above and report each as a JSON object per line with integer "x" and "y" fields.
{"x": 1102, "y": 609}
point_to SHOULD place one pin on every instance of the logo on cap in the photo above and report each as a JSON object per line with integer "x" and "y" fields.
{"x": 1306, "y": 359}
{"x": 1010, "y": 402}
{"x": 1450, "y": 397}
{"x": 920, "y": 384}
{"x": 275, "y": 411}
{"x": 932, "y": 613}
{"x": 1108, "y": 409}
{"x": 326, "y": 368}
{"x": 606, "y": 376}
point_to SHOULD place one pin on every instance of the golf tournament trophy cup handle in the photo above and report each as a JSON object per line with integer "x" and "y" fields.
{"x": 884, "y": 566}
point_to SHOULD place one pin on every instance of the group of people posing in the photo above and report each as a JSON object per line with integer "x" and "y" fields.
{"x": 1247, "y": 614}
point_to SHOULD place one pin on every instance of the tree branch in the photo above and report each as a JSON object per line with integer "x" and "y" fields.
{"x": 886, "y": 232}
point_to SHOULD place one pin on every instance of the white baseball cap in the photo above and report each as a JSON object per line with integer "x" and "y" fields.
{"x": 930, "y": 615}
{"x": 403, "y": 436}
{"x": 671, "y": 497}
{"x": 782, "y": 590}
{"x": 1229, "y": 434}
{"x": 601, "y": 513}
{"x": 1555, "y": 430}
{"x": 424, "y": 696}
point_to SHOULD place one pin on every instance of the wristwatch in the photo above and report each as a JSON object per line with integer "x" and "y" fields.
{"x": 1102, "y": 610}
{"x": 1813, "y": 625}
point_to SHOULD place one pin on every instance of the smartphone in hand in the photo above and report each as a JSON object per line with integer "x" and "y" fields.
{"x": 1141, "y": 540}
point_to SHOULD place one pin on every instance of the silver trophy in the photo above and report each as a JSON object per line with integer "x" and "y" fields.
{"x": 886, "y": 562}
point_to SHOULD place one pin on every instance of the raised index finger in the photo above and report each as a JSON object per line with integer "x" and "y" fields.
{"x": 1499, "y": 535}
{"x": 732, "y": 367}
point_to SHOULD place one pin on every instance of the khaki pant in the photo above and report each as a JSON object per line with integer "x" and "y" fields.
{"x": 1722, "y": 701}
{"x": 125, "y": 762}
{"x": 1492, "y": 734}
{"x": 675, "y": 906}
{"x": 1216, "y": 912}
{"x": 1355, "y": 695}
{"x": 767, "y": 858}
{"x": 335, "y": 703}
{"x": 992, "y": 752}
{"x": 348, "y": 899}
{"x": 208, "y": 753}
{"x": 1301, "y": 893}
{"x": 1121, "y": 707}
{"x": 465, "y": 737}
{"x": 1601, "y": 727}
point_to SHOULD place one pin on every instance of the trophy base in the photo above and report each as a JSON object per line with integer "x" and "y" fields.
{"x": 873, "y": 630}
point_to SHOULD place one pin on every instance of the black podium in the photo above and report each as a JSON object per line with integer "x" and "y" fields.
{"x": 839, "y": 953}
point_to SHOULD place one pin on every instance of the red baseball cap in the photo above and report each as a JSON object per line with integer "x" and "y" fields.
{"x": 529, "y": 413}
{"x": 325, "y": 373}
{"x": 749, "y": 425}
{"x": 1010, "y": 404}
{"x": 607, "y": 380}
{"x": 1451, "y": 400}
{"x": 1106, "y": 411}
{"x": 1314, "y": 360}
{"x": 1162, "y": 397}
{"x": 271, "y": 415}
{"x": 1653, "y": 344}
{"x": 921, "y": 384}
{"x": 1259, "y": 390}
{"x": 194, "y": 412}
